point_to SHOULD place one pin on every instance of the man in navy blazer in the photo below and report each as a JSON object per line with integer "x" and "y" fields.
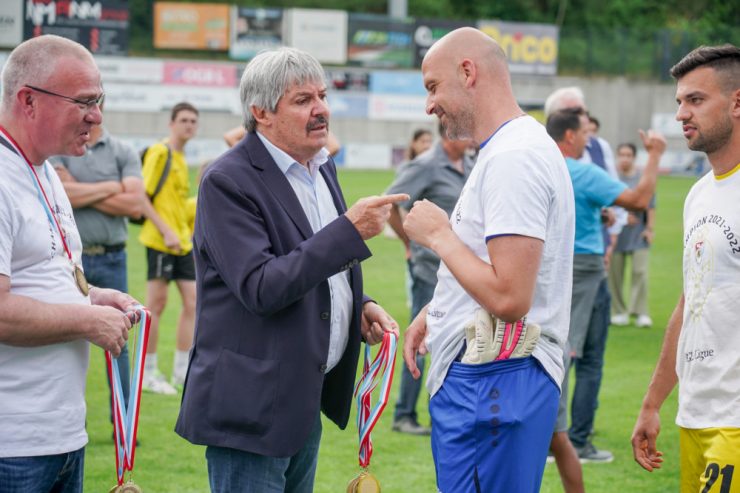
{"x": 280, "y": 311}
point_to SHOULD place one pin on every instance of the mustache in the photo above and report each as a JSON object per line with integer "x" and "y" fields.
{"x": 319, "y": 121}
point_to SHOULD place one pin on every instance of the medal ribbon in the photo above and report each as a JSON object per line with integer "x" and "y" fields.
{"x": 368, "y": 415}
{"x": 40, "y": 190}
{"x": 126, "y": 414}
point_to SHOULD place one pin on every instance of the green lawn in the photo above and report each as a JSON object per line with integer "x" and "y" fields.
{"x": 167, "y": 463}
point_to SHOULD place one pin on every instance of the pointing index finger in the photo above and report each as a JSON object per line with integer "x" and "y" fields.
{"x": 390, "y": 199}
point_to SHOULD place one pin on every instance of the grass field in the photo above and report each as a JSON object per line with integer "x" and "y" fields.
{"x": 166, "y": 463}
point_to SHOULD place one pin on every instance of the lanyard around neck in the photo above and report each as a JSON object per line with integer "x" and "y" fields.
{"x": 40, "y": 193}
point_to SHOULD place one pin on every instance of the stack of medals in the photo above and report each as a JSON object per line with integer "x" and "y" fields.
{"x": 367, "y": 416}
{"x": 126, "y": 414}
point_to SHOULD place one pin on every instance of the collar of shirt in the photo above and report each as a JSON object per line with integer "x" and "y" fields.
{"x": 103, "y": 140}
{"x": 285, "y": 162}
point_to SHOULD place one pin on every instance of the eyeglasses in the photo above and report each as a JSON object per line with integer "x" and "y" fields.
{"x": 83, "y": 104}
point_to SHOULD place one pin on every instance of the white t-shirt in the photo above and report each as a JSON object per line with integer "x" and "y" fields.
{"x": 708, "y": 355}
{"x": 519, "y": 186}
{"x": 42, "y": 389}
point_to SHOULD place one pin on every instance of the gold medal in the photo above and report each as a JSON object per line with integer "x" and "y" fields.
{"x": 130, "y": 487}
{"x": 80, "y": 280}
{"x": 115, "y": 489}
{"x": 364, "y": 483}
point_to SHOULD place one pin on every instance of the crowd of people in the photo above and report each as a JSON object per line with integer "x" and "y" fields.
{"x": 496, "y": 217}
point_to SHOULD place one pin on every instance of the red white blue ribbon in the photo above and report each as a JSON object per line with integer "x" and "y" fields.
{"x": 126, "y": 413}
{"x": 368, "y": 415}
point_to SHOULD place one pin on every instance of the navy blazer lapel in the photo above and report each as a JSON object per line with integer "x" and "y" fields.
{"x": 333, "y": 184}
{"x": 277, "y": 183}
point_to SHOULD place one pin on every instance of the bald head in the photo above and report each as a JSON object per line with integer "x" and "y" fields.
{"x": 473, "y": 44}
{"x": 35, "y": 61}
{"x": 467, "y": 81}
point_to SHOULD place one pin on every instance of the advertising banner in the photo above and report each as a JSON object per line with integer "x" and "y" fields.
{"x": 124, "y": 69}
{"x": 152, "y": 98}
{"x": 380, "y": 41}
{"x": 191, "y": 26}
{"x": 322, "y": 33}
{"x": 530, "y": 48}
{"x": 254, "y": 30}
{"x": 427, "y": 31}
{"x": 200, "y": 74}
{"x": 99, "y": 25}
{"x": 348, "y": 105}
{"x": 347, "y": 80}
{"x": 392, "y": 82}
{"x": 402, "y": 108}
{"x": 11, "y": 23}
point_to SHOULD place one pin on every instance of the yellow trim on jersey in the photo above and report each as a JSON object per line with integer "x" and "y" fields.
{"x": 729, "y": 173}
{"x": 710, "y": 460}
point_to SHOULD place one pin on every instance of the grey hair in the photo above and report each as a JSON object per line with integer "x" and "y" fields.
{"x": 270, "y": 74}
{"x": 559, "y": 99}
{"x": 34, "y": 62}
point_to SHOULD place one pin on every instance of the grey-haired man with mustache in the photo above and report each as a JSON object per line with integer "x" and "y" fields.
{"x": 280, "y": 310}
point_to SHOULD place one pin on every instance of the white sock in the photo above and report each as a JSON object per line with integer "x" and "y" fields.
{"x": 181, "y": 363}
{"x": 150, "y": 364}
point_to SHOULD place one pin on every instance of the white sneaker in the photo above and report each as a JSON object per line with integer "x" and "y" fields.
{"x": 620, "y": 319}
{"x": 155, "y": 383}
{"x": 644, "y": 321}
{"x": 489, "y": 339}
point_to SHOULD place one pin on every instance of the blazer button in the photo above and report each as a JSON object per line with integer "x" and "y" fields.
{"x": 323, "y": 368}
{"x": 324, "y": 315}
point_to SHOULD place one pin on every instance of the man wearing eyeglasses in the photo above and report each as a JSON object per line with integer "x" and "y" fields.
{"x": 51, "y": 94}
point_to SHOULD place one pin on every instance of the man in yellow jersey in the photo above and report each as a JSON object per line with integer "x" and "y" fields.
{"x": 700, "y": 349}
{"x": 167, "y": 238}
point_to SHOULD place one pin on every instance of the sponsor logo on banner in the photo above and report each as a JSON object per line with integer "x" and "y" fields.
{"x": 200, "y": 74}
{"x": 322, "y": 33}
{"x": 191, "y": 26}
{"x": 101, "y": 25}
{"x": 530, "y": 48}
{"x": 380, "y": 41}
{"x": 254, "y": 30}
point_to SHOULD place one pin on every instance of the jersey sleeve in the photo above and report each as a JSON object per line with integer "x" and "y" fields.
{"x": 516, "y": 196}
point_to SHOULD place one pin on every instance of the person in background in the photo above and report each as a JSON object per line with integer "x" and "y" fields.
{"x": 437, "y": 176}
{"x": 167, "y": 237}
{"x": 593, "y": 126}
{"x": 591, "y": 344}
{"x": 632, "y": 243}
{"x": 421, "y": 140}
{"x": 593, "y": 189}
